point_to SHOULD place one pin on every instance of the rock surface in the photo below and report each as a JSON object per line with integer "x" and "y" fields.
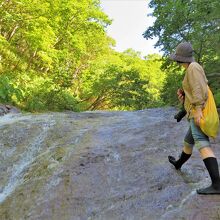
{"x": 100, "y": 165}
{"x": 5, "y": 109}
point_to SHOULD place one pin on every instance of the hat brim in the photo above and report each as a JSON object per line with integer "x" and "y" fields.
{"x": 181, "y": 58}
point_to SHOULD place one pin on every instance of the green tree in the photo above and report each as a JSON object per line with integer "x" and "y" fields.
{"x": 123, "y": 81}
{"x": 56, "y": 55}
{"x": 53, "y": 40}
{"x": 197, "y": 21}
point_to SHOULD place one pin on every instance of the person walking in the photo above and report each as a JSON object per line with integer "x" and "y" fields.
{"x": 194, "y": 96}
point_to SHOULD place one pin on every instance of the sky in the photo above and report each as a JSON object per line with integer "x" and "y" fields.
{"x": 130, "y": 20}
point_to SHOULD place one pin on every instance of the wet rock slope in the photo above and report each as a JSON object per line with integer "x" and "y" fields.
{"x": 99, "y": 165}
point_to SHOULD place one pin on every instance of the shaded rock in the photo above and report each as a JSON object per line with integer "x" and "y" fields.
{"x": 100, "y": 165}
{"x": 5, "y": 109}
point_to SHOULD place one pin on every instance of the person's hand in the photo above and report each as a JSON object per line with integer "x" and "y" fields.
{"x": 197, "y": 114}
{"x": 181, "y": 96}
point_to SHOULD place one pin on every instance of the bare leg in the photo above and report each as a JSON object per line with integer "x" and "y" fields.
{"x": 206, "y": 152}
{"x": 187, "y": 149}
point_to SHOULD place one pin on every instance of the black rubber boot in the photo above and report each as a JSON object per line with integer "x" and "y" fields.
{"x": 212, "y": 167}
{"x": 178, "y": 163}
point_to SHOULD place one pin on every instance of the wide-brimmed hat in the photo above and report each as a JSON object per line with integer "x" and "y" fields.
{"x": 184, "y": 53}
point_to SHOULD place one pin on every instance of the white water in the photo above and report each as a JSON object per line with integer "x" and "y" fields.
{"x": 26, "y": 159}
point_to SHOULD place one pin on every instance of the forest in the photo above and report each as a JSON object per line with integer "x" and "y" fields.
{"x": 56, "y": 55}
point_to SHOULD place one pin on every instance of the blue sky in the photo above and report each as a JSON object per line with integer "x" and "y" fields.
{"x": 130, "y": 20}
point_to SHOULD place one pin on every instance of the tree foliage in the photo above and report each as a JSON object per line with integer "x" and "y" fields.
{"x": 197, "y": 21}
{"x": 123, "y": 81}
{"x": 56, "y": 55}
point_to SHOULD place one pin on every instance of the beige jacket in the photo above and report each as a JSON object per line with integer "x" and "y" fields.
{"x": 195, "y": 88}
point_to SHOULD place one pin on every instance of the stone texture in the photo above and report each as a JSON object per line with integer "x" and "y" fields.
{"x": 100, "y": 165}
{"x": 5, "y": 109}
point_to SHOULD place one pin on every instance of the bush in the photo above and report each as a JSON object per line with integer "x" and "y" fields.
{"x": 9, "y": 93}
{"x": 42, "y": 94}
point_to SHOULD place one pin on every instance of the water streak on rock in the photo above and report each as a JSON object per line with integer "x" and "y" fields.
{"x": 100, "y": 165}
{"x": 26, "y": 159}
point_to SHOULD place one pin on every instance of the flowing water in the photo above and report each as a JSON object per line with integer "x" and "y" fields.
{"x": 100, "y": 165}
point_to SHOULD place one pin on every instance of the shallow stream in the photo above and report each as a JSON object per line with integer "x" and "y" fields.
{"x": 100, "y": 165}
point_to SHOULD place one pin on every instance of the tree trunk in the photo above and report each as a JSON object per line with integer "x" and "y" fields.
{"x": 12, "y": 33}
{"x": 96, "y": 103}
